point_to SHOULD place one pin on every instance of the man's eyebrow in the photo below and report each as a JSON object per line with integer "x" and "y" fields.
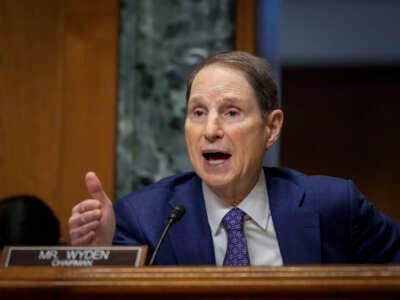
{"x": 231, "y": 100}
{"x": 228, "y": 100}
{"x": 194, "y": 100}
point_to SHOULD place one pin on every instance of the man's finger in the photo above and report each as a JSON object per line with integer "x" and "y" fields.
{"x": 77, "y": 233}
{"x": 89, "y": 204}
{"x": 95, "y": 188}
{"x": 78, "y": 220}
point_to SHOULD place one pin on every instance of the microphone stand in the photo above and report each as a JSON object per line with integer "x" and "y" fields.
{"x": 175, "y": 215}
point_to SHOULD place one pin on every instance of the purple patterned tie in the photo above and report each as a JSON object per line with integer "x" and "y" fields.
{"x": 236, "y": 251}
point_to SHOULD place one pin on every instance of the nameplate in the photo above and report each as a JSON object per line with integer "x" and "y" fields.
{"x": 60, "y": 256}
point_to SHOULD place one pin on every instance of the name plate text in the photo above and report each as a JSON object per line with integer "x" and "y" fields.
{"x": 60, "y": 256}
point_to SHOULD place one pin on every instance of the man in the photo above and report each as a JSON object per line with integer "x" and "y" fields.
{"x": 237, "y": 212}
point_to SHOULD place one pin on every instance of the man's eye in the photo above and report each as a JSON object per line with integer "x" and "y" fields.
{"x": 198, "y": 113}
{"x": 232, "y": 113}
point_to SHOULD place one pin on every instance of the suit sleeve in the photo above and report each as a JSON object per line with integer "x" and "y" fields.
{"x": 127, "y": 230}
{"x": 375, "y": 236}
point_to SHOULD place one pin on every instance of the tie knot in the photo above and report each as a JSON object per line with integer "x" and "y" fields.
{"x": 233, "y": 220}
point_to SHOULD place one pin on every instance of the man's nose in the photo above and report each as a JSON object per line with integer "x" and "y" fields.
{"x": 213, "y": 128}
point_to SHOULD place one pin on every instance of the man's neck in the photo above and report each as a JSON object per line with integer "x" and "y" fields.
{"x": 234, "y": 194}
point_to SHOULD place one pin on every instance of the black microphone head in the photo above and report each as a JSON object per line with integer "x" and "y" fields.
{"x": 176, "y": 213}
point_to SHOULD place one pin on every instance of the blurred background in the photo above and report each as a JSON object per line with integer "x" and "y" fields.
{"x": 99, "y": 85}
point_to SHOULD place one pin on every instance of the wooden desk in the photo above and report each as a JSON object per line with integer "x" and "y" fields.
{"x": 316, "y": 282}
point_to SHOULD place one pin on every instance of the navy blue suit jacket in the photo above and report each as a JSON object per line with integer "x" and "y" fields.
{"x": 317, "y": 219}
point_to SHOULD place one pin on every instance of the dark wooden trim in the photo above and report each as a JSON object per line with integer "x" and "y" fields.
{"x": 245, "y": 18}
{"x": 316, "y": 282}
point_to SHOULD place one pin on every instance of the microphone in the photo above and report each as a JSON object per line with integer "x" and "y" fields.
{"x": 174, "y": 216}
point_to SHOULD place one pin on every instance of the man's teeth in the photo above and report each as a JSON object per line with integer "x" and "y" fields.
{"x": 216, "y": 161}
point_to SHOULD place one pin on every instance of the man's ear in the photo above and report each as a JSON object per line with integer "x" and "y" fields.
{"x": 274, "y": 124}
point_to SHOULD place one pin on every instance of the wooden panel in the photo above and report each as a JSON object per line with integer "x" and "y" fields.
{"x": 31, "y": 93}
{"x": 90, "y": 78}
{"x": 319, "y": 282}
{"x": 245, "y": 33}
{"x": 345, "y": 122}
{"x": 58, "y": 63}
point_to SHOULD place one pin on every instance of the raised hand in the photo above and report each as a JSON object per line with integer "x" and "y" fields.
{"x": 92, "y": 222}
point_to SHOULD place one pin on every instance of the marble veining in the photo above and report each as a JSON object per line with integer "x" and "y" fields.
{"x": 161, "y": 41}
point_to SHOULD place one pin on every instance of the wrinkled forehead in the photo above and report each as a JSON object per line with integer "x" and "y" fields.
{"x": 221, "y": 81}
{"x": 218, "y": 74}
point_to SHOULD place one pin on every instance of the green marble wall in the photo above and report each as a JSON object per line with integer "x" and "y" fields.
{"x": 161, "y": 41}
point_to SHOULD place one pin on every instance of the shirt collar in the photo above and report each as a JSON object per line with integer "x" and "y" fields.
{"x": 255, "y": 205}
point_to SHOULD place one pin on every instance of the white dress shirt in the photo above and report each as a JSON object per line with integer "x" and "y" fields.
{"x": 258, "y": 226}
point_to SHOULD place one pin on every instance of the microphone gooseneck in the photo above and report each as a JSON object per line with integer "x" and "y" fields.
{"x": 174, "y": 216}
{"x": 176, "y": 213}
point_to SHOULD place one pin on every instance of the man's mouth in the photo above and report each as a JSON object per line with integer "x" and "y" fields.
{"x": 215, "y": 158}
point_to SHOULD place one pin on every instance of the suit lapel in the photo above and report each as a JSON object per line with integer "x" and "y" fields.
{"x": 296, "y": 222}
{"x": 191, "y": 238}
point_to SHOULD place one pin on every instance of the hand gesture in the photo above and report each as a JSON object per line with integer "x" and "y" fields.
{"x": 92, "y": 222}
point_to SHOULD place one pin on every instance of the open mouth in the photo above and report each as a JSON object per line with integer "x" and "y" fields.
{"x": 216, "y": 158}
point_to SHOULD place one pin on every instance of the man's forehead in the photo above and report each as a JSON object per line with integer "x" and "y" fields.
{"x": 220, "y": 80}
{"x": 225, "y": 99}
{"x": 219, "y": 67}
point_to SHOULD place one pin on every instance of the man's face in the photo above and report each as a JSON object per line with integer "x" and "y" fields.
{"x": 226, "y": 135}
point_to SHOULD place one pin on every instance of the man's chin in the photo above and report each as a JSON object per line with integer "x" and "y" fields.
{"x": 217, "y": 181}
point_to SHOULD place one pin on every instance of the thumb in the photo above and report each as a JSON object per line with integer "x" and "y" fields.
{"x": 95, "y": 188}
